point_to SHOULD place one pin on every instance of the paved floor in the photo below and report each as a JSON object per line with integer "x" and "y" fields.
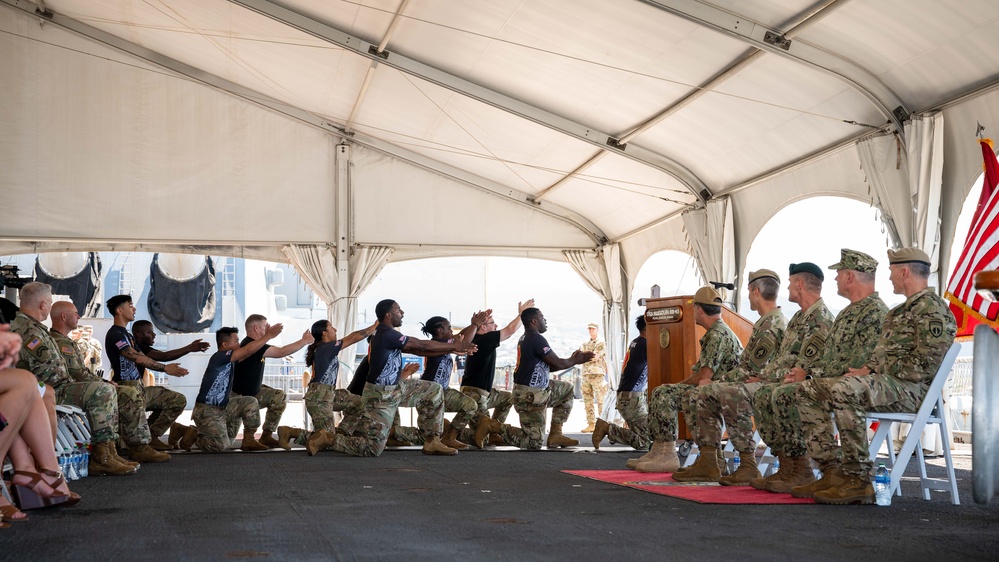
{"x": 479, "y": 505}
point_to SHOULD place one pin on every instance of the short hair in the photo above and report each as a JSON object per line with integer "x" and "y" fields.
{"x": 767, "y": 286}
{"x": 139, "y": 324}
{"x": 640, "y": 322}
{"x": 383, "y": 307}
{"x": 116, "y": 301}
{"x": 916, "y": 268}
{"x": 32, "y": 294}
{"x": 811, "y": 281}
{"x": 224, "y": 334}
{"x": 865, "y": 277}
{"x": 529, "y": 314}
{"x": 709, "y": 309}
{"x": 253, "y": 319}
{"x": 432, "y": 325}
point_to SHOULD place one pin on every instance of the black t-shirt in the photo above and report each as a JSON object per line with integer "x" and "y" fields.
{"x": 480, "y": 367}
{"x": 385, "y": 355}
{"x": 217, "y": 382}
{"x": 356, "y": 386}
{"x": 635, "y": 375}
{"x": 117, "y": 340}
{"x": 531, "y": 367}
{"x": 438, "y": 369}
{"x": 250, "y": 371}
{"x": 326, "y": 363}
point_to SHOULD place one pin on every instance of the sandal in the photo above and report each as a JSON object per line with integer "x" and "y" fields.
{"x": 28, "y": 497}
{"x": 73, "y": 498}
{"x": 7, "y": 513}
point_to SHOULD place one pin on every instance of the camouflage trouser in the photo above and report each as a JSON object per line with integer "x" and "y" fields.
{"x": 593, "y": 387}
{"x": 368, "y": 430}
{"x": 133, "y": 427}
{"x": 454, "y": 401}
{"x": 275, "y": 401}
{"x": 164, "y": 404}
{"x": 99, "y": 400}
{"x": 632, "y": 406}
{"x": 215, "y": 423}
{"x": 666, "y": 401}
{"x": 787, "y": 435}
{"x": 500, "y": 400}
{"x": 849, "y": 399}
{"x": 428, "y": 399}
{"x": 322, "y": 401}
{"x": 531, "y": 405}
{"x": 728, "y": 401}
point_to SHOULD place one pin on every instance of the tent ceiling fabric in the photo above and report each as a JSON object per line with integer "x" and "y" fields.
{"x": 227, "y": 124}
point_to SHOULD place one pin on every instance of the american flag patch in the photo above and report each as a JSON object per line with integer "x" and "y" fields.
{"x": 34, "y": 343}
{"x": 67, "y": 350}
{"x": 121, "y": 344}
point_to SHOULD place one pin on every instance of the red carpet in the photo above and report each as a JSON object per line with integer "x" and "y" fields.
{"x": 663, "y": 483}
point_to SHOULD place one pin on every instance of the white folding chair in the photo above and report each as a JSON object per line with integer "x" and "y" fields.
{"x": 931, "y": 411}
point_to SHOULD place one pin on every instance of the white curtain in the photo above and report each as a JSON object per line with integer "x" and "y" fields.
{"x": 924, "y": 138}
{"x": 318, "y": 268}
{"x": 711, "y": 231}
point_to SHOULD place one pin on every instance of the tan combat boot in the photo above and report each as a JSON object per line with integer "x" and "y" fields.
{"x": 158, "y": 445}
{"x": 486, "y": 428}
{"x": 663, "y": 459}
{"x": 267, "y": 439}
{"x": 319, "y": 440}
{"x": 496, "y": 440}
{"x": 589, "y": 428}
{"x": 653, "y": 452}
{"x": 285, "y": 436}
{"x": 103, "y": 464}
{"x": 114, "y": 454}
{"x": 853, "y": 489}
{"x": 705, "y": 469}
{"x": 144, "y": 453}
{"x": 600, "y": 430}
{"x": 747, "y": 471}
{"x": 450, "y": 439}
{"x": 177, "y": 432}
{"x": 188, "y": 439}
{"x": 251, "y": 445}
{"x": 802, "y": 475}
{"x": 784, "y": 469}
{"x": 557, "y": 440}
{"x": 435, "y": 447}
{"x": 831, "y": 477}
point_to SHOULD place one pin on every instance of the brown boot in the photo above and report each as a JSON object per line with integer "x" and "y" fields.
{"x": 144, "y": 453}
{"x": 801, "y": 475}
{"x": 267, "y": 439}
{"x": 319, "y": 440}
{"x": 250, "y": 444}
{"x": 435, "y": 447}
{"x": 450, "y": 439}
{"x": 496, "y": 440}
{"x": 188, "y": 439}
{"x": 831, "y": 477}
{"x": 158, "y": 445}
{"x": 103, "y": 464}
{"x": 486, "y": 427}
{"x": 120, "y": 460}
{"x": 556, "y": 440}
{"x": 747, "y": 471}
{"x": 600, "y": 430}
{"x": 663, "y": 458}
{"x": 177, "y": 432}
{"x": 589, "y": 428}
{"x": 285, "y": 436}
{"x": 704, "y": 470}
{"x": 784, "y": 469}
{"x": 853, "y": 489}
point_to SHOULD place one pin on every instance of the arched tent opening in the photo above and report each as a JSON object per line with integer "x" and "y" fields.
{"x": 674, "y": 271}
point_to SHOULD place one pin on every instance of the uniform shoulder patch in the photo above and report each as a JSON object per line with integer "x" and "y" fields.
{"x": 936, "y": 328}
{"x": 811, "y": 351}
{"x": 33, "y": 344}
{"x": 67, "y": 350}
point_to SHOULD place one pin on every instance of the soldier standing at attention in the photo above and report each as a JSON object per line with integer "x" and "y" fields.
{"x": 249, "y": 379}
{"x": 534, "y": 393}
{"x": 216, "y": 411}
{"x": 915, "y": 337}
{"x": 594, "y": 375}
{"x": 631, "y": 400}
{"x": 40, "y": 355}
{"x": 126, "y": 360}
{"x": 849, "y": 344}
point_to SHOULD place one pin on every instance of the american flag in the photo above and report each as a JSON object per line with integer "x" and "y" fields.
{"x": 981, "y": 253}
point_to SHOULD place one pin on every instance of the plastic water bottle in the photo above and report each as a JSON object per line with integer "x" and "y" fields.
{"x": 882, "y": 485}
{"x": 735, "y": 463}
{"x": 85, "y": 465}
{"x": 775, "y": 466}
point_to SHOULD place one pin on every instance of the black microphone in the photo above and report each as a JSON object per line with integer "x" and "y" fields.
{"x": 720, "y": 285}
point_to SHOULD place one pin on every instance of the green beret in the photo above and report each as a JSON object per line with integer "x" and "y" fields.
{"x": 761, "y": 273}
{"x": 857, "y": 261}
{"x": 708, "y": 295}
{"x": 908, "y": 255}
{"x": 807, "y": 267}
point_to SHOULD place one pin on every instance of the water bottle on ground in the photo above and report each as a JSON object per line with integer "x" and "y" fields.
{"x": 882, "y": 485}
{"x": 735, "y": 463}
{"x": 85, "y": 465}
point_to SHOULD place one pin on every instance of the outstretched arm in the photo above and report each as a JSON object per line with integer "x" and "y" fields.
{"x": 359, "y": 335}
{"x": 286, "y": 350}
{"x": 139, "y": 358}
{"x": 254, "y": 346}
{"x": 174, "y": 354}
{"x": 577, "y": 358}
{"x": 514, "y": 324}
{"x": 429, "y": 348}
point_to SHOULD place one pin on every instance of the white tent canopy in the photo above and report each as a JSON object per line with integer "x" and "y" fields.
{"x": 542, "y": 129}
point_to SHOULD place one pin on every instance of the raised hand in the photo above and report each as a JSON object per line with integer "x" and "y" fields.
{"x": 307, "y": 337}
{"x": 198, "y": 345}
{"x": 481, "y": 317}
{"x": 274, "y": 330}
{"x": 175, "y": 370}
{"x": 522, "y": 306}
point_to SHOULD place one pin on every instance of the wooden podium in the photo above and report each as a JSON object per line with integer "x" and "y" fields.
{"x": 674, "y": 340}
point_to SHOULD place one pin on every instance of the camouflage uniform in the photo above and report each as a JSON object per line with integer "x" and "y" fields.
{"x": 92, "y": 353}
{"x": 365, "y": 434}
{"x": 531, "y": 404}
{"x": 41, "y": 355}
{"x": 275, "y": 400}
{"x": 454, "y": 401}
{"x": 768, "y": 333}
{"x": 499, "y": 400}
{"x": 720, "y": 351}
{"x": 594, "y": 375}
{"x": 914, "y": 338}
{"x": 851, "y": 341}
{"x": 322, "y": 401}
{"x": 633, "y": 408}
{"x": 215, "y": 424}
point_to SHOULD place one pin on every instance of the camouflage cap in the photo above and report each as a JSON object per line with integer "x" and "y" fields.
{"x": 806, "y": 267}
{"x": 908, "y": 255}
{"x": 592, "y": 325}
{"x": 857, "y": 261}
{"x": 761, "y": 273}
{"x": 709, "y": 296}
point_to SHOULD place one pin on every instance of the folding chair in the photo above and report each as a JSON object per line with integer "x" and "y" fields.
{"x": 931, "y": 411}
